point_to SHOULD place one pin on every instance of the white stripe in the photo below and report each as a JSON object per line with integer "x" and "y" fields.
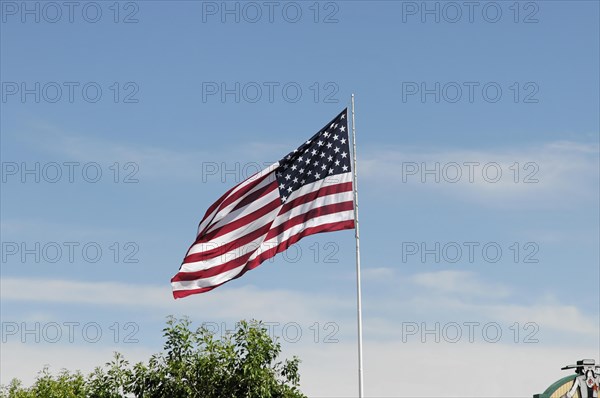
{"x": 213, "y": 216}
{"x": 315, "y": 186}
{"x": 308, "y": 206}
{"x": 313, "y": 222}
{"x": 244, "y": 211}
{"x": 221, "y": 212}
{"x": 235, "y": 234}
{"x": 223, "y": 258}
{"x": 207, "y": 282}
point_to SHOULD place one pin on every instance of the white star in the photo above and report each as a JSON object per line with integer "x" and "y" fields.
{"x": 294, "y": 167}
{"x": 342, "y": 129}
{"x": 287, "y": 177}
{"x": 283, "y": 198}
{"x": 309, "y": 172}
{"x": 295, "y": 180}
{"x": 278, "y": 174}
{"x": 330, "y": 171}
{"x": 314, "y": 152}
{"x": 344, "y": 154}
{"x": 323, "y": 167}
{"x": 330, "y": 158}
{"x": 337, "y": 162}
{"x": 321, "y": 154}
{"x": 343, "y": 116}
{"x": 329, "y": 145}
{"x": 289, "y": 189}
{"x": 281, "y": 186}
{"x": 288, "y": 157}
{"x": 301, "y": 170}
{"x": 285, "y": 166}
{"x": 345, "y": 168}
{"x": 302, "y": 181}
{"x": 335, "y": 137}
{"x": 320, "y": 143}
{"x": 332, "y": 125}
{"x": 307, "y": 161}
{"x": 300, "y": 159}
{"x": 326, "y": 134}
{"x": 343, "y": 140}
{"x": 336, "y": 149}
{"x": 308, "y": 142}
{"x": 316, "y": 164}
{"x": 317, "y": 175}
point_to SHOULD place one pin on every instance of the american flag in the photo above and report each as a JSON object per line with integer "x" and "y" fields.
{"x": 307, "y": 192}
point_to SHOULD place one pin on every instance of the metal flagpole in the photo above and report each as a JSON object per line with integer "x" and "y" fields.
{"x": 357, "y": 235}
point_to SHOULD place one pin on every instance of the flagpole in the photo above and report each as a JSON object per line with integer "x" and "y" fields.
{"x": 357, "y": 235}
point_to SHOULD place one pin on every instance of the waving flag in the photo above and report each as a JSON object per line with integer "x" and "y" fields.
{"x": 307, "y": 192}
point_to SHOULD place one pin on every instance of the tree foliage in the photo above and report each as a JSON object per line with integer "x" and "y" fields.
{"x": 193, "y": 364}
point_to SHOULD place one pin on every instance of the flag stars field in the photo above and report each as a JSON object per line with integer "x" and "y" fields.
{"x": 329, "y": 158}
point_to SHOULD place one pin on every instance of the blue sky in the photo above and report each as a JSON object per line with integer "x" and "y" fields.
{"x": 508, "y": 86}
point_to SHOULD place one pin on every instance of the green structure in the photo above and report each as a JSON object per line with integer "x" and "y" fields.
{"x": 585, "y": 383}
{"x": 557, "y": 389}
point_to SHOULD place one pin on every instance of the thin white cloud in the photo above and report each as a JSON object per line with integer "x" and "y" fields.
{"x": 379, "y": 274}
{"x": 459, "y": 282}
{"x": 435, "y": 294}
{"x": 552, "y": 174}
{"x": 560, "y": 167}
{"x": 187, "y": 164}
{"x": 230, "y": 303}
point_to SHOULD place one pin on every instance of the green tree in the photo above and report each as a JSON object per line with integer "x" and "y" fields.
{"x": 193, "y": 364}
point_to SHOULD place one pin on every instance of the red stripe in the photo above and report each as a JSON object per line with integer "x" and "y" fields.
{"x": 217, "y": 203}
{"x": 349, "y": 224}
{"x": 316, "y": 212}
{"x": 229, "y": 246}
{"x": 309, "y": 197}
{"x": 226, "y": 199}
{"x": 213, "y": 271}
{"x": 253, "y": 196}
{"x": 241, "y": 221}
{"x": 244, "y": 190}
{"x": 336, "y": 226}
